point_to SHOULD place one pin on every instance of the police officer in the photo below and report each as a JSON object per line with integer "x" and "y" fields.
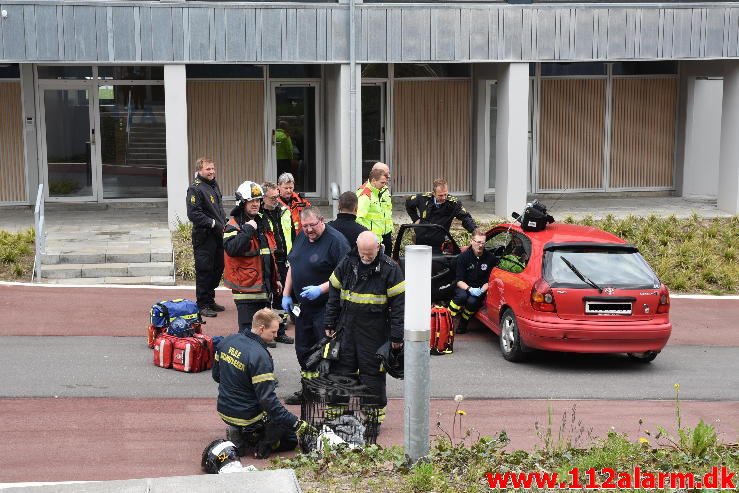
{"x": 205, "y": 211}
{"x": 365, "y": 308}
{"x": 281, "y": 225}
{"x": 317, "y": 251}
{"x": 438, "y": 207}
{"x": 247, "y": 402}
{"x": 346, "y": 220}
{"x": 473, "y": 272}
{"x": 251, "y": 268}
{"x": 375, "y": 206}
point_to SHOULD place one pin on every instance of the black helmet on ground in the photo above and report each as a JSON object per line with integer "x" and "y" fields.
{"x": 391, "y": 360}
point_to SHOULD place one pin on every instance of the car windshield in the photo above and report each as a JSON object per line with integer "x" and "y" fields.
{"x": 606, "y": 268}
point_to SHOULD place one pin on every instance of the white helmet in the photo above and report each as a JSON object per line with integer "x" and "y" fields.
{"x": 248, "y": 191}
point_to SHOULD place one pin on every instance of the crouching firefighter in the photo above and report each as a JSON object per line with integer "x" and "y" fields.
{"x": 365, "y": 310}
{"x": 250, "y": 265}
{"x": 257, "y": 421}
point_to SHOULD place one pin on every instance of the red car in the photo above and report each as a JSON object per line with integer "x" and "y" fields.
{"x": 573, "y": 289}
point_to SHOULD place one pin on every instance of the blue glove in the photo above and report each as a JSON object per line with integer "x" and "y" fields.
{"x": 287, "y": 303}
{"x": 476, "y": 292}
{"x": 311, "y": 292}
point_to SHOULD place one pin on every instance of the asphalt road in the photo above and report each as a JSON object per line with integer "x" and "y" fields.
{"x": 121, "y": 367}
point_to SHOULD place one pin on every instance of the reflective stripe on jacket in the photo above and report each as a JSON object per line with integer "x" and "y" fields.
{"x": 250, "y": 269}
{"x": 375, "y": 209}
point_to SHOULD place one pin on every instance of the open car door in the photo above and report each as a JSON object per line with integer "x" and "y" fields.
{"x": 443, "y": 263}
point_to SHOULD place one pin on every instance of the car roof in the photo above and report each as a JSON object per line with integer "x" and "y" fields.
{"x": 566, "y": 233}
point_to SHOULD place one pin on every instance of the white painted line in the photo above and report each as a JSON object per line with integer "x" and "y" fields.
{"x": 705, "y": 296}
{"x": 119, "y": 286}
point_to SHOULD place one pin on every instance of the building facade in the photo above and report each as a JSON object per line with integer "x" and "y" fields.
{"x": 114, "y": 101}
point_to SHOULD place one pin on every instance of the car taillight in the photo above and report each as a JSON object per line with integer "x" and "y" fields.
{"x": 542, "y": 298}
{"x": 664, "y": 300}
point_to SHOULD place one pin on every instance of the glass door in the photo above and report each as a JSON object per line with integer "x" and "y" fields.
{"x": 294, "y": 131}
{"x": 373, "y": 126}
{"x": 68, "y": 144}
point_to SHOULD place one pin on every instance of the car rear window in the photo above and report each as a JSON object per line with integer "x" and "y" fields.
{"x": 606, "y": 268}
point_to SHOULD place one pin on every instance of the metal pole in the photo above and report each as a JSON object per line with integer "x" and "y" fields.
{"x": 353, "y": 179}
{"x": 417, "y": 388}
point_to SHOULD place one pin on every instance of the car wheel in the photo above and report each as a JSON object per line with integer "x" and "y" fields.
{"x": 645, "y": 357}
{"x": 510, "y": 340}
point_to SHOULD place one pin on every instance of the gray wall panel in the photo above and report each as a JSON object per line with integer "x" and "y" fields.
{"x": 178, "y": 34}
{"x": 696, "y": 32}
{"x": 649, "y": 34}
{"x": 479, "y": 33}
{"x": 377, "y": 34}
{"x": 123, "y": 34}
{"x": 13, "y": 33}
{"x": 322, "y": 34}
{"x": 584, "y": 21}
{"x": 714, "y": 32}
{"x": 616, "y": 33}
{"x": 416, "y": 34}
{"x": 29, "y": 22}
{"x": 199, "y": 30}
{"x": 47, "y": 39}
{"x": 146, "y": 33}
{"x": 545, "y": 33}
{"x": 339, "y": 45}
{"x": 733, "y": 33}
{"x": 67, "y": 34}
{"x": 252, "y": 41}
{"x": 101, "y": 33}
{"x": 446, "y": 33}
{"x": 526, "y": 46}
{"x": 394, "y": 37}
{"x": 633, "y": 25}
{"x": 512, "y": 24}
{"x": 463, "y": 36}
{"x": 219, "y": 33}
{"x": 682, "y": 32}
{"x": 236, "y": 34}
{"x": 85, "y": 35}
{"x": 290, "y": 46}
{"x": 272, "y": 23}
{"x": 161, "y": 34}
{"x": 306, "y": 19}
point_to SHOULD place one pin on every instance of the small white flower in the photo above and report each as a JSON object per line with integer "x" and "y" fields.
{"x": 458, "y": 398}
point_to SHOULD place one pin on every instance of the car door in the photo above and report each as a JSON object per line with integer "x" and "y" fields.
{"x": 507, "y": 284}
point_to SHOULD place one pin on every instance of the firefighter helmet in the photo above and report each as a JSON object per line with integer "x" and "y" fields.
{"x": 391, "y": 360}
{"x": 218, "y": 457}
{"x": 248, "y": 191}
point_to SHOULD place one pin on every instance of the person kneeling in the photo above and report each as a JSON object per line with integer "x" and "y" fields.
{"x": 473, "y": 271}
{"x": 257, "y": 421}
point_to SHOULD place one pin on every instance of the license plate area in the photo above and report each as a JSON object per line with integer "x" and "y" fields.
{"x": 608, "y": 308}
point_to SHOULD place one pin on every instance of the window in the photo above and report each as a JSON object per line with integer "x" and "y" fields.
{"x": 131, "y": 72}
{"x": 514, "y": 247}
{"x": 618, "y": 268}
{"x": 61, "y": 72}
{"x": 295, "y": 71}
{"x": 575, "y": 68}
{"x": 374, "y": 71}
{"x": 645, "y": 68}
{"x": 10, "y": 71}
{"x": 426, "y": 70}
{"x": 224, "y": 72}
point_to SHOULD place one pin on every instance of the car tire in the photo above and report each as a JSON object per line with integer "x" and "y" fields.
{"x": 510, "y": 339}
{"x": 645, "y": 357}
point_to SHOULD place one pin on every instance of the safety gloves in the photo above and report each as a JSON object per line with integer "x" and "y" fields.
{"x": 302, "y": 427}
{"x": 287, "y": 303}
{"x": 476, "y": 292}
{"x": 311, "y": 292}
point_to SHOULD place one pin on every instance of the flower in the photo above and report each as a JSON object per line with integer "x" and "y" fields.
{"x": 643, "y": 441}
{"x": 677, "y": 386}
{"x": 461, "y": 412}
{"x": 458, "y": 398}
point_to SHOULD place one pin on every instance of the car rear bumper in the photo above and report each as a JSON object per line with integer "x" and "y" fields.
{"x": 594, "y": 337}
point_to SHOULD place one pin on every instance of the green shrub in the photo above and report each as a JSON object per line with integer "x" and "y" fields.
{"x": 16, "y": 254}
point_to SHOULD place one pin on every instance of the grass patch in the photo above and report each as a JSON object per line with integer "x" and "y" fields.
{"x": 696, "y": 255}
{"x": 17, "y": 252}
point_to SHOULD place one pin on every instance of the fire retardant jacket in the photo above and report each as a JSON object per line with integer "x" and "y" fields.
{"x": 296, "y": 204}
{"x": 244, "y": 371}
{"x": 368, "y": 300}
{"x": 205, "y": 206}
{"x": 423, "y": 207}
{"x": 250, "y": 267}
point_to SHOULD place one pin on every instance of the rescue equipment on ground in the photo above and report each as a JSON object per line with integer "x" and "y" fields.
{"x": 442, "y": 331}
{"x": 187, "y": 354}
{"x": 391, "y": 360}
{"x": 535, "y": 217}
{"x": 164, "y": 313}
{"x": 220, "y": 457}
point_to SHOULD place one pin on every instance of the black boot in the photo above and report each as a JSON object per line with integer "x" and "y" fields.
{"x": 462, "y": 327}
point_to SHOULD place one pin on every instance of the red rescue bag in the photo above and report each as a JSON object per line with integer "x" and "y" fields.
{"x": 188, "y": 354}
{"x": 163, "y": 348}
{"x": 210, "y": 353}
{"x": 442, "y": 330}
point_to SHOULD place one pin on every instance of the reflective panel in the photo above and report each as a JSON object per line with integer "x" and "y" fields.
{"x": 373, "y": 127}
{"x": 133, "y": 72}
{"x": 68, "y": 144}
{"x": 133, "y": 141}
{"x": 64, "y": 72}
{"x": 294, "y": 138}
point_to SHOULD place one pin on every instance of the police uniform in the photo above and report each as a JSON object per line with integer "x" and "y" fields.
{"x": 250, "y": 266}
{"x": 423, "y": 207}
{"x": 366, "y": 308}
{"x": 475, "y": 272}
{"x": 205, "y": 211}
{"x": 247, "y": 401}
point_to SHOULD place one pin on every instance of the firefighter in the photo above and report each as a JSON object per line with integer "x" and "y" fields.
{"x": 375, "y": 207}
{"x": 365, "y": 310}
{"x": 437, "y": 207}
{"x": 205, "y": 211}
{"x": 281, "y": 225}
{"x": 317, "y": 251}
{"x": 247, "y": 402}
{"x": 251, "y": 269}
{"x": 473, "y": 271}
{"x": 293, "y": 201}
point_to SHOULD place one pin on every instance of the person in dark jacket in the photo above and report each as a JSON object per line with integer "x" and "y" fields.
{"x": 250, "y": 262}
{"x": 440, "y": 208}
{"x": 473, "y": 271}
{"x": 346, "y": 220}
{"x": 366, "y": 309}
{"x": 317, "y": 251}
{"x": 247, "y": 402}
{"x": 205, "y": 211}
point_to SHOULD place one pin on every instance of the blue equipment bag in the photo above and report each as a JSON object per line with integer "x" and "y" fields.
{"x": 165, "y": 312}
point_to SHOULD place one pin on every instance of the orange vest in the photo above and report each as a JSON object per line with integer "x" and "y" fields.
{"x": 246, "y": 274}
{"x": 296, "y": 206}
